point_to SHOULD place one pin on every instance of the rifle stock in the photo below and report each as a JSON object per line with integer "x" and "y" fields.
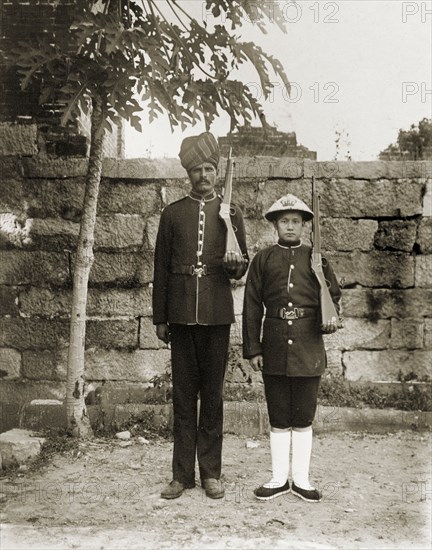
{"x": 225, "y": 207}
{"x": 328, "y": 309}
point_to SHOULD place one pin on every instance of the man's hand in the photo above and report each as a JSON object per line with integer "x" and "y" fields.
{"x": 257, "y": 363}
{"x": 330, "y": 326}
{"x": 233, "y": 261}
{"x": 163, "y": 333}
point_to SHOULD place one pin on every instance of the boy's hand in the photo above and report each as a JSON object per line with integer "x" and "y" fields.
{"x": 257, "y": 363}
{"x": 330, "y": 326}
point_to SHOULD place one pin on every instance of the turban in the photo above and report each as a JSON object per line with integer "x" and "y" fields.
{"x": 288, "y": 203}
{"x": 198, "y": 149}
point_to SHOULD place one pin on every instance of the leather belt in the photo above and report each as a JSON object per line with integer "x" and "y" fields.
{"x": 291, "y": 312}
{"x": 196, "y": 270}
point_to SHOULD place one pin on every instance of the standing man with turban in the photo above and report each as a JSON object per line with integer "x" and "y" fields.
{"x": 193, "y": 311}
{"x": 288, "y": 347}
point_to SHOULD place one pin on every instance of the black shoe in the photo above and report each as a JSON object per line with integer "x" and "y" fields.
{"x": 310, "y": 495}
{"x": 213, "y": 488}
{"x": 267, "y": 493}
{"x": 175, "y": 489}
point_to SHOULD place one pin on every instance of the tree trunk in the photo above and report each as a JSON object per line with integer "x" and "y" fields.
{"x": 78, "y": 421}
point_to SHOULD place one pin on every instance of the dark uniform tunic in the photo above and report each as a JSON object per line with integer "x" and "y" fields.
{"x": 192, "y": 293}
{"x": 281, "y": 277}
{"x": 192, "y": 233}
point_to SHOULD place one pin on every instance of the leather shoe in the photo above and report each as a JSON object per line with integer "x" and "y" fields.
{"x": 175, "y": 489}
{"x": 213, "y": 488}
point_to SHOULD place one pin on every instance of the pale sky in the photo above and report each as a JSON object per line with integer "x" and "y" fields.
{"x": 359, "y": 67}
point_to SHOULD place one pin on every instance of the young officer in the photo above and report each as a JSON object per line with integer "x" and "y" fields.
{"x": 291, "y": 353}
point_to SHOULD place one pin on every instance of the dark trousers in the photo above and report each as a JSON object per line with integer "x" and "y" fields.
{"x": 291, "y": 400}
{"x": 199, "y": 357}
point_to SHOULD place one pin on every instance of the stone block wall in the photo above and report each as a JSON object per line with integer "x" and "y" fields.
{"x": 376, "y": 229}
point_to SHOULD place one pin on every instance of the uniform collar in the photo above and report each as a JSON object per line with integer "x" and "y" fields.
{"x": 295, "y": 244}
{"x": 206, "y": 198}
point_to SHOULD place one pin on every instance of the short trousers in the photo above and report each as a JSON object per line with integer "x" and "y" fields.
{"x": 291, "y": 400}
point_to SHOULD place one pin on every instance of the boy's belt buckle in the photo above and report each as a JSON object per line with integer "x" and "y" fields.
{"x": 290, "y": 313}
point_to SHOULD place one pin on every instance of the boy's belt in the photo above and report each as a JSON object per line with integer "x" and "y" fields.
{"x": 291, "y": 312}
{"x": 196, "y": 270}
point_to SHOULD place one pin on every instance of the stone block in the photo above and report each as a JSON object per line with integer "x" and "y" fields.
{"x": 345, "y": 234}
{"x": 388, "y": 365}
{"x": 387, "y": 303}
{"x": 52, "y": 234}
{"x": 111, "y": 267}
{"x": 132, "y": 302}
{"x": 423, "y": 271}
{"x": 139, "y": 198}
{"x": 151, "y": 230}
{"x": 54, "y": 198}
{"x": 375, "y": 268}
{"x": 112, "y": 334}
{"x": 147, "y": 335}
{"x": 9, "y": 301}
{"x": 259, "y": 234}
{"x": 344, "y": 198}
{"x": 10, "y": 414}
{"x": 14, "y": 231}
{"x": 407, "y": 333}
{"x": 10, "y": 168}
{"x": 173, "y": 190}
{"x": 119, "y": 231}
{"x": 272, "y": 190}
{"x": 236, "y": 337}
{"x": 247, "y": 197}
{"x": 368, "y": 170}
{"x": 33, "y": 268}
{"x": 428, "y": 333}
{"x": 396, "y": 235}
{"x": 18, "y": 139}
{"x": 238, "y": 296}
{"x": 263, "y": 167}
{"x": 19, "y": 447}
{"x": 43, "y": 415}
{"x": 145, "y": 266}
{"x": 142, "y": 168}
{"x": 427, "y": 200}
{"x": 54, "y": 167}
{"x": 359, "y": 333}
{"x": 24, "y": 391}
{"x": 45, "y": 364}
{"x": 334, "y": 362}
{"x": 33, "y": 333}
{"x": 424, "y": 239}
{"x": 136, "y": 366}
{"x": 36, "y": 301}
{"x": 10, "y": 364}
{"x": 113, "y": 393}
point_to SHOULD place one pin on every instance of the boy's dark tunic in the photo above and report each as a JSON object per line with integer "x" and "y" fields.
{"x": 281, "y": 277}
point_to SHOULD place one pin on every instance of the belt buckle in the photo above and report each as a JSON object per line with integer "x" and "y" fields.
{"x": 288, "y": 314}
{"x": 199, "y": 271}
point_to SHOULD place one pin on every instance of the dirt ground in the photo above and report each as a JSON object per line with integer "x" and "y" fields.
{"x": 377, "y": 494}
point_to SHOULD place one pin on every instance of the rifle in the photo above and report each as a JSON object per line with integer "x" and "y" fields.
{"x": 232, "y": 244}
{"x": 328, "y": 309}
